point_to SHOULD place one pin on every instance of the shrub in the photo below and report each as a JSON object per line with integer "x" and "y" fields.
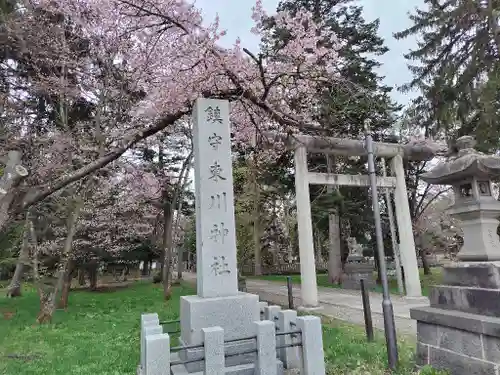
{"x": 157, "y": 278}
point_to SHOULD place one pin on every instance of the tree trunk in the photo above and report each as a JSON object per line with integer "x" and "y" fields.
{"x": 45, "y": 292}
{"x": 162, "y": 257}
{"x": 180, "y": 266}
{"x": 180, "y": 249}
{"x": 256, "y": 218}
{"x": 12, "y": 176}
{"x": 167, "y": 246}
{"x": 145, "y": 268}
{"x": 334, "y": 250}
{"x": 124, "y": 274}
{"x": 14, "y": 289}
{"x": 48, "y": 300}
{"x": 334, "y": 241}
{"x": 92, "y": 269}
{"x": 318, "y": 257}
{"x": 66, "y": 288}
{"x": 425, "y": 263}
{"x": 168, "y": 224}
{"x": 81, "y": 277}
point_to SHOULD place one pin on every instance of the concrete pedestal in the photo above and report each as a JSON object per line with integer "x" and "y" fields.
{"x": 235, "y": 315}
{"x": 460, "y": 331}
{"x": 354, "y": 272}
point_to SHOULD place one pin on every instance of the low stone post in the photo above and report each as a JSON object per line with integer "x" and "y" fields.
{"x": 262, "y": 309}
{"x": 157, "y": 354}
{"x": 213, "y": 339}
{"x": 287, "y": 321}
{"x": 266, "y": 348}
{"x": 271, "y": 313}
{"x": 313, "y": 357}
{"x": 148, "y": 320}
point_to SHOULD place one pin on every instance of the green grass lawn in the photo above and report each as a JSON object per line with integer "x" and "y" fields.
{"x": 322, "y": 280}
{"x": 99, "y": 335}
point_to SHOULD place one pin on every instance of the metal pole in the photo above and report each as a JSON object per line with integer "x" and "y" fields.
{"x": 395, "y": 247}
{"x": 367, "y": 311}
{"x": 390, "y": 327}
{"x": 290, "y": 292}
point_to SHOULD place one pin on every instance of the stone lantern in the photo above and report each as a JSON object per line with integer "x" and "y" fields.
{"x": 356, "y": 268}
{"x": 470, "y": 174}
{"x": 460, "y": 330}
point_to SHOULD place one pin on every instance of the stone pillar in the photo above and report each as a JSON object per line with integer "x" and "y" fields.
{"x": 405, "y": 231}
{"x": 218, "y": 302}
{"x": 394, "y": 240}
{"x": 271, "y": 313}
{"x": 217, "y": 274}
{"x": 262, "y": 309}
{"x": 157, "y": 355}
{"x": 308, "y": 288}
{"x": 213, "y": 339}
{"x": 148, "y": 320}
{"x": 287, "y": 320}
{"x": 266, "y": 348}
{"x": 313, "y": 362}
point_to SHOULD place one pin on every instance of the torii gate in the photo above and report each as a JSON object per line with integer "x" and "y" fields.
{"x": 301, "y": 144}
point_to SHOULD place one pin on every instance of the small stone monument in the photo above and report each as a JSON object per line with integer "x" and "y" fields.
{"x": 460, "y": 331}
{"x": 356, "y": 268}
{"x": 355, "y": 251}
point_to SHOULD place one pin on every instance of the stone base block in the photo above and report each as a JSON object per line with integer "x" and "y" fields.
{"x": 462, "y": 343}
{"x": 247, "y": 369}
{"x": 467, "y": 299}
{"x": 354, "y": 272}
{"x": 352, "y": 258}
{"x": 231, "y": 350}
{"x": 472, "y": 274}
{"x": 235, "y": 315}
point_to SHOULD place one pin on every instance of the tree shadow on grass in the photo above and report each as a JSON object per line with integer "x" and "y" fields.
{"x": 101, "y": 289}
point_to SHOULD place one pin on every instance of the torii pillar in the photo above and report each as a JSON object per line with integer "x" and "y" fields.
{"x": 308, "y": 287}
{"x": 405, "y": 230}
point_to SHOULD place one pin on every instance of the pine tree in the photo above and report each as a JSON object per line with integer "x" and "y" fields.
{"x": 456, "y": 67}
{"x": 357, "y": 96}
{"x": 361, "y": 94}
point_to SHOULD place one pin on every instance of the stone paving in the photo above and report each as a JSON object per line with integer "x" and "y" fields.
{"x": 337, "y": 303}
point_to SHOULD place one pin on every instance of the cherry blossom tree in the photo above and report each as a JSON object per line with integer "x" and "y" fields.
{"x": 435, "y": 230}
{"x": 97, "y": 217}
{"x": 163, "y": 186}
{"x": 173, "y": 59}
{"x": 115, "y": 75}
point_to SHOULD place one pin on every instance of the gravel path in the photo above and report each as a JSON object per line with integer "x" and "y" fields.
{"x": 337, "y": 303}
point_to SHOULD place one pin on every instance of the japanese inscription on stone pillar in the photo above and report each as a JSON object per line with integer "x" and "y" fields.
{"x": 215, "y": 225}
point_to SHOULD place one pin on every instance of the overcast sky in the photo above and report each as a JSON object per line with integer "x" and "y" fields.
{"x": 235, "y": 17}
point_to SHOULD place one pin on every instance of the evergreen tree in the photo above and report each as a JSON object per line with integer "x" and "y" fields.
{"x": 358, "y": 95}
{"x": 456, "y": 67}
